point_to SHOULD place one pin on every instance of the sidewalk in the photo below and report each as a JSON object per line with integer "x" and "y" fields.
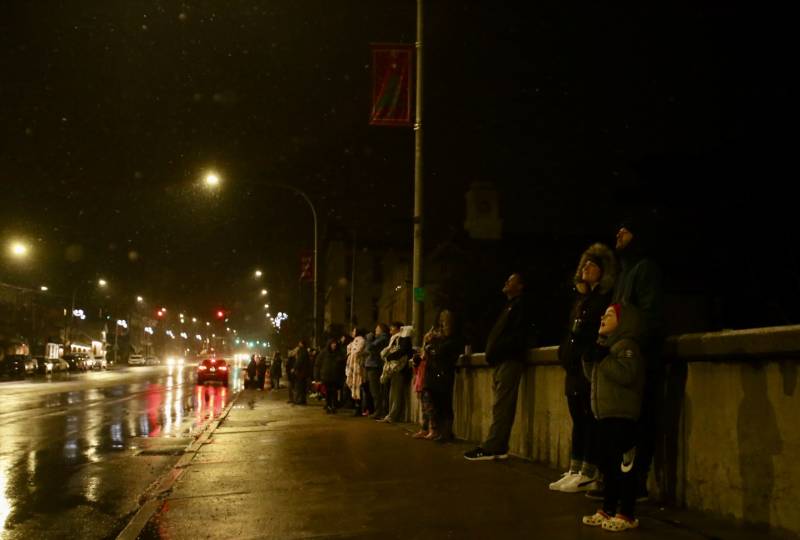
{"x": 273, "y": 470}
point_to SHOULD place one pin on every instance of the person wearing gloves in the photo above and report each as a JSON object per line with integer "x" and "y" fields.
{"x": 617, "y": 385}
{"x": 396, "y": 356}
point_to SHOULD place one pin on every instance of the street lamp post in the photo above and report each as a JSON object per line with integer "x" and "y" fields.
{"x": 316, "y": 238}
{"x": 212, "y": 181}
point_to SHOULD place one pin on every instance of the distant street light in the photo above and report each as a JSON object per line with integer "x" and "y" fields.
{"x": 102, "y": 282}
{"x": 18, "y": 249}
{"x": 139, "y": 299}
{"x": 43, "y": 288}
{"x": 212, "y": 180}
{"x": 263, "y": 292}
{"x": 259, "y": 273}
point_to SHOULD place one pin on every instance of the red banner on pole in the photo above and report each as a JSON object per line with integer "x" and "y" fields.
{"x": 307, "y": 266}
{"x": 391, "y": 84}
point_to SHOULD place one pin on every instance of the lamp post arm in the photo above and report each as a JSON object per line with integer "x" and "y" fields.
{"x": 316, "y": 243}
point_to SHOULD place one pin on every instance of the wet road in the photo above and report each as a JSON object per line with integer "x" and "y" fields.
{"x": 77, "y": 451}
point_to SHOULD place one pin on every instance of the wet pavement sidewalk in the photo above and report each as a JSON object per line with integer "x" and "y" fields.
{"x": 273, "y": 470}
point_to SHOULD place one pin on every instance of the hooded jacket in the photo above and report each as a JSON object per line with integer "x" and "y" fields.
{"x": 618, "y": 379}
{"x": 584, "y": 321}
{"x": 639, "y": 284}
{"x": 374, "y": 348}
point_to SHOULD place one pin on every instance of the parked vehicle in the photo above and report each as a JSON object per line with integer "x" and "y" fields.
{"x": 13, "y": 366}
{"x": 100, "y": 363}
{"x": 30, "y": 365}
{"x": 59, "y": 364}
{"x": 136, "y": 360}
{"x": 77, "y": 362}
{"x": 152, "y": 361}
{"x": 44, "y": 366}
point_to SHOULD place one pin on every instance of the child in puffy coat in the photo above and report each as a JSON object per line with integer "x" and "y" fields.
{"x": 616, "y": 395}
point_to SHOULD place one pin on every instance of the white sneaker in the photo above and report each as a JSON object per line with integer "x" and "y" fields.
{"x": 579, "y": 482}
{"x": 566, "y": 478}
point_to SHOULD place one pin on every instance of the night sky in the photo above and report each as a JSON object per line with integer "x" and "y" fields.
{"x": 110, "y": 113}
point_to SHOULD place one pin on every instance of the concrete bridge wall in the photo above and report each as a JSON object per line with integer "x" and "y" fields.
{"x": 730, "y": 442}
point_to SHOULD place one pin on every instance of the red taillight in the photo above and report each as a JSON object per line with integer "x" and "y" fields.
{"x": 202, "y": 368}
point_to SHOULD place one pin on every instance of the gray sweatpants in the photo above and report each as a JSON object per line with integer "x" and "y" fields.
{"x": 505, "y": 388}
{"x": 397, "y": 392}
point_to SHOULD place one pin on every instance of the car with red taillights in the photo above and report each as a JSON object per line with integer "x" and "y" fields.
{"x": 213, "y": 369}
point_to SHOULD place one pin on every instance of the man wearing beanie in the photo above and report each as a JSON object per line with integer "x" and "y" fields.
{"x": 639, "y": 284}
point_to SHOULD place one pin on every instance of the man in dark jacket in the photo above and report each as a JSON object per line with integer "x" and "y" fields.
{"x": 506, "y": 349}
{"x": 639, "y": 284}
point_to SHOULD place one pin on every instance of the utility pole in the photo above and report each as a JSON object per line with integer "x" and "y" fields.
{"x": 418, "y": 309}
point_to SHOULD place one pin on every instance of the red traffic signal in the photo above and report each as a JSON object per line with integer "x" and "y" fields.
{"x": 220, "y": 314}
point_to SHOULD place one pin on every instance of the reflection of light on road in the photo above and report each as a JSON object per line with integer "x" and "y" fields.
{"x": 92, "y": 489}
{"x": 31, "y": 464}
{"x": 168, "y": 410}
{"x": 154, "y": 398}
{"x": 116, "y": 435}
{"x": 179, "y": 405}
{"x": 71, "y": 444}
{"x": 144, "y": 426}
{"x": 94, "y": 417}
{"x": 5, "y": 504}
{"x": 209, "y": 402}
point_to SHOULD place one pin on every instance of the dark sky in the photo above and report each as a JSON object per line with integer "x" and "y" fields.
{"x": 111, "y": 111}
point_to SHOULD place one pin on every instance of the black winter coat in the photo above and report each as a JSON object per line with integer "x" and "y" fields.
{"x": 440, "y": 368}
{"x": 331, "y": 367}
{"x": 584, "y": 323}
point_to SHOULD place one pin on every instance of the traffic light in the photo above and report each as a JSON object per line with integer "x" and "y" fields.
{"x": 220, "y": 314}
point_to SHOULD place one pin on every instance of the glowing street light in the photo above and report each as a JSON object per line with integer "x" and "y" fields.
{"x": 212, "y": 180}
{"x": 18, "y": 249}
{"x": 101, "y": 282}
{"x": 43, "y": 288}
{"x": 259, "y": 273}
{"x": 139, "y": 299}
{"x": 263, "y": 292}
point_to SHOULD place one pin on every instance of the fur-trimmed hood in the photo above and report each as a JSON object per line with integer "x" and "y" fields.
{"x": 609, "y": 264}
